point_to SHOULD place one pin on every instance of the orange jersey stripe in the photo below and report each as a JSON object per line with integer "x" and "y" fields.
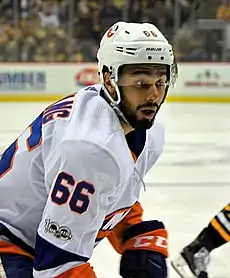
{"x": 104, "y": 233}
{"x": 82, "y": 271}
{"x": 10, "y": 248}
{"x": 134, "y": 156}
{"x": 220, "y": 230}
{"x": 101, "y": 234}
{"x": 227, "y": 207}
{"x": 116, "y": 212}
{"x": 133, "y": 217}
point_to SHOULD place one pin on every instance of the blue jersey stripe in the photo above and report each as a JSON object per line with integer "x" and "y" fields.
{"x": 49, "y": 256}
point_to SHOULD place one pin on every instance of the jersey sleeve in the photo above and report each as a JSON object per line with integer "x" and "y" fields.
{"x": 133, "y": 217}
{"x": 80, "y": 177}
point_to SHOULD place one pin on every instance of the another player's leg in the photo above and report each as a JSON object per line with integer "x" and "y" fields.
{"x": 195, "y": 257}
{"x": 15, "y": 266}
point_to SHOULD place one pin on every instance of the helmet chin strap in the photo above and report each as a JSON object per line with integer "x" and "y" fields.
{"x": 115, "y": 103}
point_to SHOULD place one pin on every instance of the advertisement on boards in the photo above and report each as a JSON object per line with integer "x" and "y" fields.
{"x": 22, "y": 80}
{"x": 46, "y": 79}
{"x": 203, "y": 79}
{"x": 43, "y": 81}
{"x": 86, "y": 76}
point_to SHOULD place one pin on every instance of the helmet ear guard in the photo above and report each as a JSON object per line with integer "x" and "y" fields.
{"x": 111, "y": 100}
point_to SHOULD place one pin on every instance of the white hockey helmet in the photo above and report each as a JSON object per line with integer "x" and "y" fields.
{"x": 133, "y": 43}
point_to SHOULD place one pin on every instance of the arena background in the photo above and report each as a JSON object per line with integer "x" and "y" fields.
{"x": 48, "y": 50}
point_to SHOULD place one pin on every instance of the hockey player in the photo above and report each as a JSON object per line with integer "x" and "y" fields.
{"x": 196, "y": 256}
{"x": 74, "y": 175}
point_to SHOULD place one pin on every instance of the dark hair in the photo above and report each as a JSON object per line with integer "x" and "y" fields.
{"x": 106, "y": 69}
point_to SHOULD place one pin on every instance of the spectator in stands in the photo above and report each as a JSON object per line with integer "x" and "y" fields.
{"x": 109, "y": 14}
{"x": 223, "y": 10}
{"x": 188, "y": 46}
{"x": 3, "y": 47}
{"x": 49, "y": 14}
{"x": 64, "y": 30}
{"x": 160, "y": 13}
{"x": 135, "y": 9}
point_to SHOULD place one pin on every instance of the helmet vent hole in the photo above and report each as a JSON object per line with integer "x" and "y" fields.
{"x": 119, "y": 49}
{"x": 127, "y": 32}
{"x": 150, "y": 57}
{"x": 127, "y": 50}
{"x": 162, "y": 58}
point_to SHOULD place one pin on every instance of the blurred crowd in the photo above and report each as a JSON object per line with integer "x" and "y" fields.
{"x": 70, "y": 30}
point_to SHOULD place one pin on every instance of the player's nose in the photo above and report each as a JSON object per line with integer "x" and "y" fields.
{"x": 153, "y": 93}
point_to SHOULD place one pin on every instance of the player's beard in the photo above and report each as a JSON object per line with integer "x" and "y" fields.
{"x": 131, "y": 114}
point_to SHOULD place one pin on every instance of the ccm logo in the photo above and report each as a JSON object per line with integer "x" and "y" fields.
{"x": 144, "y": 241}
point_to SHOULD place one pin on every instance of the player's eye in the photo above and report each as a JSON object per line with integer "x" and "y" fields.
{"x": 144, "y": 84}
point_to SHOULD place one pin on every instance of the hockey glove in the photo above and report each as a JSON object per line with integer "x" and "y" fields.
{"x": 145, "y": 251}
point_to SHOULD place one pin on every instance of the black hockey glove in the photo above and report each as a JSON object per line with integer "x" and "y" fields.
{"x": 145, "y": 251}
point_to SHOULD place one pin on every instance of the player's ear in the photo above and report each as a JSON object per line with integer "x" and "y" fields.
{"x": 108, "y": 85}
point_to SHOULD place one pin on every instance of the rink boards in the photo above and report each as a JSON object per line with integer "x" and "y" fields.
{"x": 31, "y": 82}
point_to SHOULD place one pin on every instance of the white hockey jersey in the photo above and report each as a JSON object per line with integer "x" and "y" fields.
{"x": 70, "y": 178}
